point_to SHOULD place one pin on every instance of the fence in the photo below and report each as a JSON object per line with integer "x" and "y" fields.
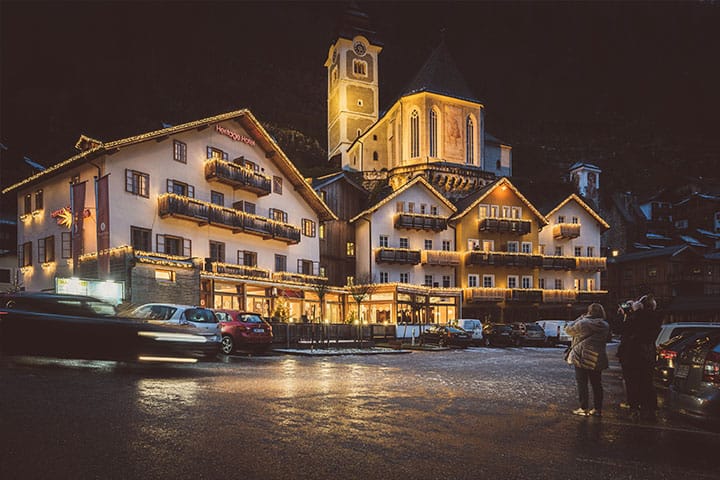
{"x": 332, "y": 333}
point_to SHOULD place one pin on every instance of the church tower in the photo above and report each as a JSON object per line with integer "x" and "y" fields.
{"x": 352, "y": 83}
{"x": 586, "y": 178}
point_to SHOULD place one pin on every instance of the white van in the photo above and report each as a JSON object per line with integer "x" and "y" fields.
{"x": 555, "y": 331}
{"x": 472, "y": 326}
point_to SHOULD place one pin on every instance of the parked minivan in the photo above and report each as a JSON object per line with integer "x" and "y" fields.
{"x": 474, "y": 327}
{"x": 555, "y": 331}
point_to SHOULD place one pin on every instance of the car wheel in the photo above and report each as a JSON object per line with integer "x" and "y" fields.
{"x": 228, "y": 345}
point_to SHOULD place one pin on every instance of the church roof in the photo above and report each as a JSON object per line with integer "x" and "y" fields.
{"x": 354, "y": 22}
{"x": 440, "y": 75}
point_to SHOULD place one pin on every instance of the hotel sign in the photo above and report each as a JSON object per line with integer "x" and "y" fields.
{"x": 235, "y": 136}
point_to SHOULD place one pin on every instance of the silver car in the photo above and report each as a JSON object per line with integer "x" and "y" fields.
{"x": 199, "y": 317}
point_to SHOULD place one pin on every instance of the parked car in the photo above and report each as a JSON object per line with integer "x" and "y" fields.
{"x": 74, "y": 326}
{"x": 199, "y": 317}
{"x": 527, "y": 334}
{"x": 244, "y": 330}
{"x": 474, "y": 327}
{"x": 695, "y": 389}
{"x": 555, "y": 331}
{"x": 670, "y": 330}
{"x": 666, "y": 356}
{"x": 497, "y": 334}
{"x": 445, "y": 336}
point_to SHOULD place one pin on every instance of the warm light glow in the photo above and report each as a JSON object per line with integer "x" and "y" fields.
{"x": 167, "y": 359}
{"x": 615, "y": 253}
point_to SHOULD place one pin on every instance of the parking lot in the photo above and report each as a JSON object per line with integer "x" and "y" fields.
{"x": 474, "y": 413}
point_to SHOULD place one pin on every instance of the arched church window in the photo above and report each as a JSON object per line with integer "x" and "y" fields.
{"x": 414, "y": 134}
{"x": 376, "y": 157}
{"x": 469, "y": 141}
{"x": 433, "y": 133}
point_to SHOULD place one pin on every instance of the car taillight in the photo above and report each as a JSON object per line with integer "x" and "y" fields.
{"x": 711, "y": 369}
{"x": 668, "y": 354}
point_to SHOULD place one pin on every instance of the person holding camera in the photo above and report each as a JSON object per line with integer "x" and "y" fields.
{"x": 587, "y": 354}
{"x": 637, "y": 355}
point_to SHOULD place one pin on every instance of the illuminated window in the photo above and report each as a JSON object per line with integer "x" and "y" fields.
{"x": 39, "y": 200}
{"x": 27, "y": 207}
{"x": 165, "y": 275}
{"x": 141, "y": 238}
{"x": 433, "y": 133}
{"x": 277, "y": 185}
{"x": 489, "y": 281}
{"x": 321, "y": 231}
{"x": 308, "y": 227}
{"x": 217, "y": 251}
{"x": 469, "y": 141}
{"x": 137, "y": 183}
{"x": 516, "y": 212}
{"x": 46, "y": 249}
{"x": 404, "y": 278}
{"x": 25, "y": 255}
{"x": 172, "y": 245}
{"x": 350, "y": 249}
{"x": 217, "y": 198}
{"x": 280, "y": 263}
{"x": 278, "y": 215}
{"x": 323, "y": 272}
{"x": 349, "y": 280}
{"x": 323, "y": 195}
{"x": 652, "y": 271}
{"x": 179, "y": 151}
{"x": 65, "y": 245}
{"x": 414, "y": 134}
{"x": 180, "y": 188}
{"x": 216, "y": 153}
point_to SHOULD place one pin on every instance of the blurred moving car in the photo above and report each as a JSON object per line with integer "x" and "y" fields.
{"x": 527, "y": 334}
{"x": 243, "y": 330}
{"x": 445, "y": 336}
{"x": 667, "y": 353}
{"x": 555, "y": 331}
{"x": 695, "y": 389}
{"x": 497, "y": 334}
{"x": 199, "y": 317}
{"x": 474, "y": 327}
{"x": 669, "y": 330}
{"x": 74, "y": 326}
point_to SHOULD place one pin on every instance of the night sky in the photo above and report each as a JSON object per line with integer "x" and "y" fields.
{"x": 550, "y": 74}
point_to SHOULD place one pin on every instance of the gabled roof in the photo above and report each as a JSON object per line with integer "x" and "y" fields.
{"x": 576, "y": 198}
{"x": 396, "y": 193}
{"x": 653, "y": 253}
{"x": 589, "y": 166}
{"x": 95, "y": 148}
{"x": 468, "y": 203}
{"x": 320, "y": 182}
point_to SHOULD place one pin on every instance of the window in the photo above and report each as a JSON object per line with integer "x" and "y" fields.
{"x": 383, "y": 277}
{"x": 321, "y": 231}
{"x": 280, "y": 263}
{"x": 494, "y": 211}
{"x": 216, "y": 153}
{"x": 578, "y": 251}
{"x": 165, "y": 275}
{"x": 350, "y": 249}
{"x": 516, "y": 212}
{"x": 46, "y": 249}
{"x": 526, "y": 247}
{"x": 172, "y": 245}
{"x": 512, "y": 247}
{"x": 446, "y": 245}
{"x": 433, "y": 210}
{"x": 217, "y": 198}
{"x": 305, "y": 267}
{"x": 411, "y": 207}
{"x": 590, "y": 251}
{"x": 277, "y": 184}
{"x": 652, "y": 271}
{"x": 65, "y": 245}
{"x": 5, "y": 275}
{"x": 376, "y": 157}
{"x": 39, "y": 200}
{"x": 400, "y": 207}
{"x": 506, "y": 212}
{"x": 278, "y": 215}
{"x": 428, "y": 245}
{"x": 433, "y": 132}
{"x": 360, "y": 68}
{"x": 217, "y": 251}
{"x": 428, "y": 280}
{"x": 446, "y": 281}
{"x": 323, "y": 195}
{"x": 27, "y": 207}
{"x": 179, "y": 151}
{"x": 404, "y": 278}
{"x": 488, "y": 281}
{"x": 527, "y": 281}
{"x": 558, "y": 251}
{"x": 512, "y": 281}
{"x": 247, "y": 258}
{"x": 137, "y": 183}
{"x": 560, "y": 219}
{"x": 383, "y": 241}
{"x": 180, "y": 188}
{"x": 575, "y": 220}
{"x": 248, "y": 207}
{"x": 414, "y": 134}
{"x": 308, "y": 227}
{"x": 423, "y": 209}
{"x": 541, "y": 283}
{"x": 558, "y": 284}
{"x": 472, "y": 280}
{"x": 323, "y": 272}
{"x": 404, "y": 242}
{"x": 349, "y": 280}
{"x": 541, "y": 249}
{"x": 474, "y": 244}
{"x": 469, "y": 141}
{"x": 140, "y": 239}
{"x": 488, "y": 245}
{"x": 483, "y": 211}
{"x": 25, "y": 255}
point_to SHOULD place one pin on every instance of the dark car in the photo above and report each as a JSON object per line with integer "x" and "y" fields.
{"x": 528, "y": 334}
{"x": 244, "y": 330}
{"x": 73, "y": 326}
{"x": 446, "y": 336}
{"x": 695, "y": 389}
{"x": 666, "y": 356}
{"x": 498, "y": 334}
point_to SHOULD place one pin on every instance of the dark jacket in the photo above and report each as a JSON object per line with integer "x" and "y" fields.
{"x": 637, "y": 343}
{"x": 587, "y": 349}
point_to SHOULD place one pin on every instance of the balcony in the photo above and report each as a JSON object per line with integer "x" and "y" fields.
{"x": 240, "y": 270}
{"x": 397, "y": 255}
{"x": 298, "y": 278}
{"x": 414, "y": 221}
{"x": 595, "y": 296}
{"x": 504, "y": 225}
{"x": 171, "y": 205}
{"x": 441, "y": 258}
{"x": 559, "y": 296}
{"x": 525, "y": 295}
{"x": 564, "y": 231}
{"x": 504, "y": 259}
{"x": 478, "y": 295}
{"x": 597, "y": 264}
{"x": 237, "y": 176}
{"x": 558, "y": 263}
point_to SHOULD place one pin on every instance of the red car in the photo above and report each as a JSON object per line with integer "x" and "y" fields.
{"x": 243, "y": 330}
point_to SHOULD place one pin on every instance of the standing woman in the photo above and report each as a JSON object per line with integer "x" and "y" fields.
{"x": 587, "y": 353}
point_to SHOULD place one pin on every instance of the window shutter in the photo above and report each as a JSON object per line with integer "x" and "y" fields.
{"x": 169, "y": 186}
{"x": 50, "y": 249}
{"x": 187, "y": 247}
{"x": 20, "y": 258}
{"x": 41, "y": 250}
{"x": 191, "y": 191}
{"x": 160, "y": 243}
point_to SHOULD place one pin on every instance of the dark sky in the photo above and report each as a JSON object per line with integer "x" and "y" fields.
{"x": 549, "y": 73}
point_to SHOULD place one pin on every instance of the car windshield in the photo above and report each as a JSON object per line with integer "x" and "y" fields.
{"x": 200, "y": 315}
{"x": 249, "y": 318}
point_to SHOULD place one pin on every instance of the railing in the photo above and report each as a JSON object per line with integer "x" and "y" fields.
{"x": 416, "y": 221}
{"x": 239, "y": 270}
{"x": 591, "y": 263}
{"x": 397, "y": 255}
{"x": 440, "y": 257}
{"x": 558, "y": 263}
{"x": 566, "y": 230}
{"x": 525, "y": 295}
{"x": 237, "y": 176}
{"x": 559, "y": 296}
{"x": 298, "y": 277}
{"x": 474, "y": 295}
{"x": 504, "y": 259}
{"x": 171, "y": 205}
{"x": 594, "y": 296}
{"x": 504, "y": 225}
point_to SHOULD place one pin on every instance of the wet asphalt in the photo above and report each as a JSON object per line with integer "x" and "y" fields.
{"x": 454, "y": 414}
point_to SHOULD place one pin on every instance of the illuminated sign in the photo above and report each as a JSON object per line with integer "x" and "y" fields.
{"x": 64, "y": 216}
{"x": 235, "y": 136}
{"x": 112, "y": 292}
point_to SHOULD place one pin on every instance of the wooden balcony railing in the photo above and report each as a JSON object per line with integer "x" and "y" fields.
{"x": 504, "y": 259}
{"x": 239, "y": 270}
{"x": 397, "y": 255}
{"x": 475, "y": 295}
{"x": 591, "y": 263}
{"x": 237, "y": 176}
{"x": 559, "y": 296}
{"x": 592, "y": 296}
{"x": 298, "y": 277}
{"x": 415, "y": 221}
{"x": 440, "y": 257}
{"x": 558, "y": 263}
{"x": 504, "y": 225}
{"x": 566, "y": 230}
{"x": 525, "y": 295}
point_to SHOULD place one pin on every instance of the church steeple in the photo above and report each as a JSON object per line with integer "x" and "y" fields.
{"x": 352, "y": 82}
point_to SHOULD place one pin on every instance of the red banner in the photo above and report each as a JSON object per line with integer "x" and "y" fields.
{"x": 103, "y": 226}
{"x": 77, "y": 202}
